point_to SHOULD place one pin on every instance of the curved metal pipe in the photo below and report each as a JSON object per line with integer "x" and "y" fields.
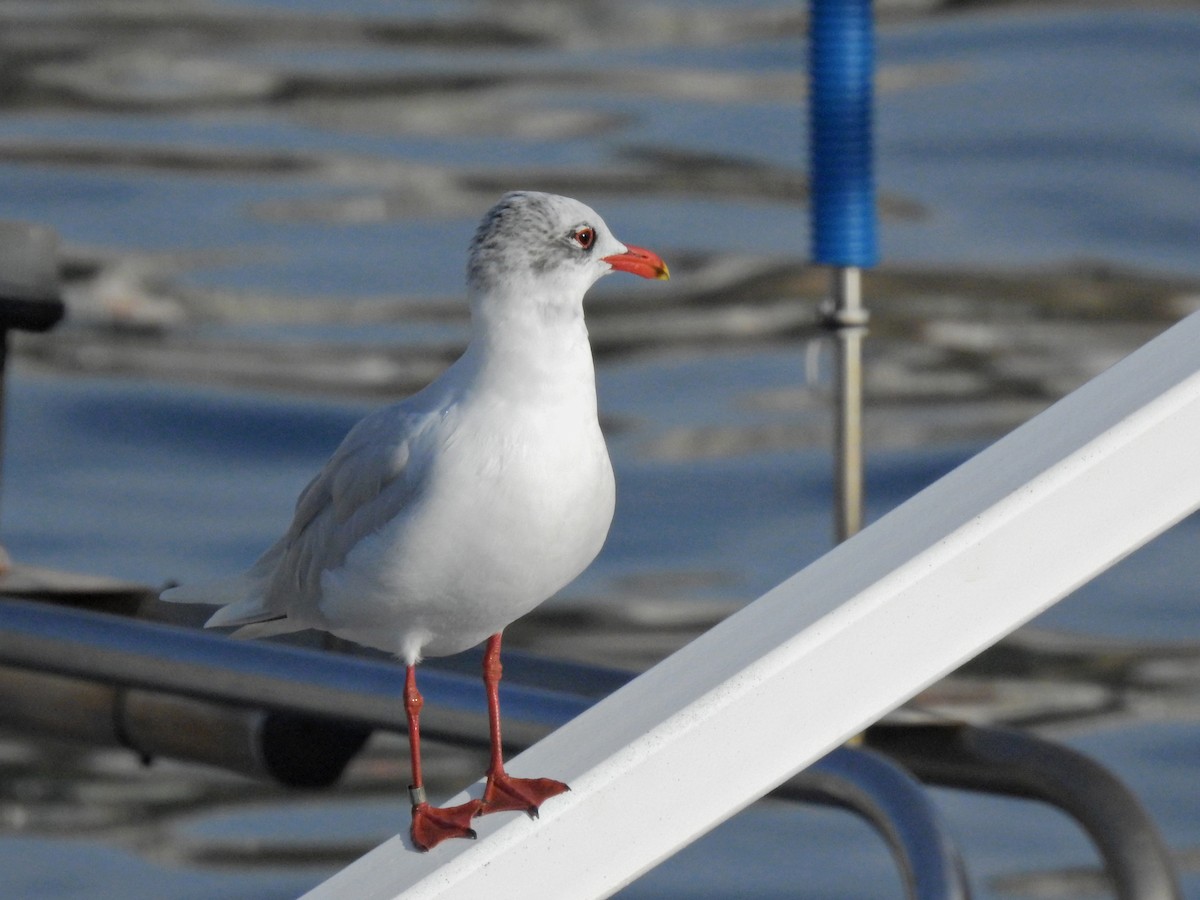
{"x": 897, "y": 805}
{"x": 1002, "y": 761}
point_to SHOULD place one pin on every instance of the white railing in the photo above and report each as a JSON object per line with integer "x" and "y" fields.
{"x": 836, "y": 646}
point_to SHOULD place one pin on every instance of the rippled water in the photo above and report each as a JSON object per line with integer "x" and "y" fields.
{"x": 264, "y": 211}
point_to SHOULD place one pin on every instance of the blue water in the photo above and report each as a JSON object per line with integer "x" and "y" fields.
{"x": 1026, "y": 138}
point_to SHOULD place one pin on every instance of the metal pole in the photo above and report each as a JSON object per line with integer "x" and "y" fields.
{"x": 29, "y": 295}
{"x": 841, "y": 68}
{"x": 848, "y": 319}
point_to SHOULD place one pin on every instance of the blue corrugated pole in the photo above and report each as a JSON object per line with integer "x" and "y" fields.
{"x": 841, "y": 71}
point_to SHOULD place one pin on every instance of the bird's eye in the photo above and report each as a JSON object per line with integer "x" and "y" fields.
{"x": 584, "y": 237}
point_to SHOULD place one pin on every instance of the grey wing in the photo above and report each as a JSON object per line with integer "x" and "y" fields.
{"x": 366, "y": 483}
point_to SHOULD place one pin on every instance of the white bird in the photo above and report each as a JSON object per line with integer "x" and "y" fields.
{"x": 442, "y": 518}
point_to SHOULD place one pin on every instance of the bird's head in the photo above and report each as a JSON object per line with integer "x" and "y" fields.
{"x": 542, "y": 243}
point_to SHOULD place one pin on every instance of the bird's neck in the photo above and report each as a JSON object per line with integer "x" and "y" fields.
{"x": 532, "y": 350}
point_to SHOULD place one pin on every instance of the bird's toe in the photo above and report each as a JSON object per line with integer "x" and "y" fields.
{"x": 504, "y": 792}
{"x": 433, "y": 824}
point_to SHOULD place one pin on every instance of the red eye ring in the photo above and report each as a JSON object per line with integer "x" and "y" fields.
{"x": 584, "y": 237}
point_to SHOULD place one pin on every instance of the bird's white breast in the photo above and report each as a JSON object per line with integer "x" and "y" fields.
{"x": 517, "y": 501}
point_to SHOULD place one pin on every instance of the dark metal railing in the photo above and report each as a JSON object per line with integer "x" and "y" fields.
{"x": 153, "y": 687}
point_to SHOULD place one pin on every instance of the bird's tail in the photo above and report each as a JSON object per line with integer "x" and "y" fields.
{"x": 243, "y": 600}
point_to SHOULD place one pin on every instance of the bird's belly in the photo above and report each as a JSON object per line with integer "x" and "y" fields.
{"x": 490, "y": 545}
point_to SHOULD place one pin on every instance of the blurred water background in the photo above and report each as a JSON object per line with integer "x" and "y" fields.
{"x": 264, "y": 209}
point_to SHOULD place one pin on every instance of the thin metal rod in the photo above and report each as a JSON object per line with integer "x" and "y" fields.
{"x": 848, "y": 318}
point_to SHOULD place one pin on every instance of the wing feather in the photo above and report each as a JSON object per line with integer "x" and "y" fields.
{"x": 365, "y": 484}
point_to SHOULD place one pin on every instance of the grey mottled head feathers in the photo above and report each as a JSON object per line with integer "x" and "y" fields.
{"x": 529, "y": 233}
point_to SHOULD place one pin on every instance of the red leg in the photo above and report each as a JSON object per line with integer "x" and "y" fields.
{"x": 430, "y": 824}
{"x": 503, "y": 791}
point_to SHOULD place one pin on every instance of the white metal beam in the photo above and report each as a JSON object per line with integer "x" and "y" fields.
{"x": 836, "y": 646}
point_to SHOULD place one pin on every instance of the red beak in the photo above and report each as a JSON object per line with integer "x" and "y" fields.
{"x": 639, "y": 261}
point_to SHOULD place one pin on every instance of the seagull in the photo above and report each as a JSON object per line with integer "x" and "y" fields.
{"x": 444, "y": 517}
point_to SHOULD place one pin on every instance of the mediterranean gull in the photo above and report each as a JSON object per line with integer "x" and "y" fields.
{"x": 442, "y": 518}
